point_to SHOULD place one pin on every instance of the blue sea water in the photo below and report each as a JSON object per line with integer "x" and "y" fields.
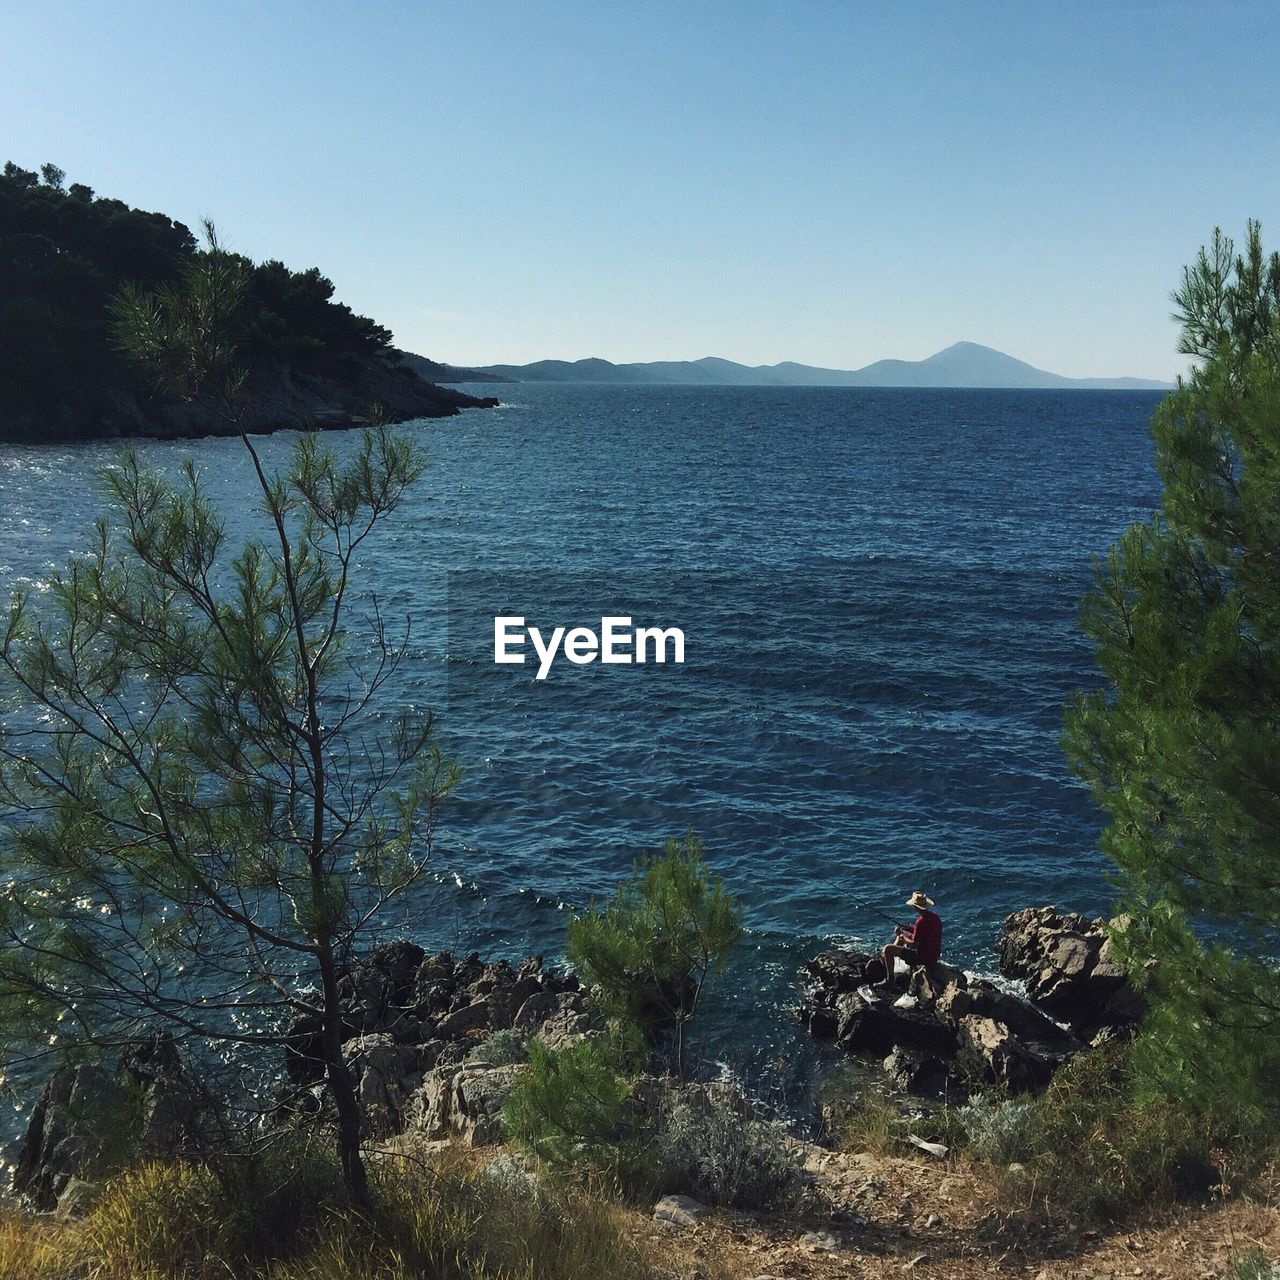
{"x": 879, "y": 591}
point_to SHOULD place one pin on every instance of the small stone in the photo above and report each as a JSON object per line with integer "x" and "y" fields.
{"x": 933, "y": 1220}
{"x": 679, "y": 1211}
{"x": 820, "y": 1242}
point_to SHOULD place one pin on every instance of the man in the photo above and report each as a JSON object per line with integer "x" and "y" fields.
{"x": 919, "y": 945}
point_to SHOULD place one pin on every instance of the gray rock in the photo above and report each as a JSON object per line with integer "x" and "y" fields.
{"x": 471, "y": 1017}
{"x": 536, "y": 1009}
{"x": 78, "y": 1198}
{"x": 821, "y": 1242}
{"x": 679, "y": 1211}
{"x": 1067, "y": 964}
{"x": 386, "y": 1074}
{"x": 87, "y": 1123}
{"x": 918, "y": 1072}
{"x": 464, "y": 1103}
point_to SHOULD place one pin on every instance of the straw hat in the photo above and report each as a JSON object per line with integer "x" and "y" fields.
{"x": 919, "y": 900}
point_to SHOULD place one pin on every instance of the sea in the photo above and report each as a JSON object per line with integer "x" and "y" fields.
{"x": 878, "y": 592}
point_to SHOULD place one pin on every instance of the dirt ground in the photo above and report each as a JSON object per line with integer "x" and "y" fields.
{"x": 907, "y": 1216}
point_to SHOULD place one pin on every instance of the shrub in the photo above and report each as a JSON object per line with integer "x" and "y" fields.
{"x": 1093, "y": 1147}
{"x": 569, "y": 1107}
{"x": 709, "y": 1151}
{"x": 995, "y": 1130}
{"x": 441, "y": 1219}
{"x": 502, "y": 1048}
{"x": 1253, "y": 1266}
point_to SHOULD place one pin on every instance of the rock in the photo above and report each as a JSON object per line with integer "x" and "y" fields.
{"x": 78, "y": 1198}
{"x": 60, "y": 1142}
{"x": 464, "y": 1102}
{"x": 471, "y": 1017}
{"x": 536, "y": 1009}
{"x": 87, "y": 1123}
{"x": 572, "y": 1021}
{"x": 405, "y": 1013}
{"x": 875, "y": 1026}
{"x": 950, "y": 1027}
{"x": 386, "y": 1075}
{"x": 820, "y": 1242}
{"x": 376, "y": 992}
{"x": 1066, "y": 962}
{"x": 992, "y": 1050}
{"x": 918, "y": 1072}
{"x": 841, "y": 970}
{"x": 679, "y": 1211}
{"x": 933, "y": 1220}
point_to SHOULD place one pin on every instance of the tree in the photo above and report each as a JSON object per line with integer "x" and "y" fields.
{"x": 1182, "y": 745}
{"x": 650, "y": 952}
{"x": 208, "y": 808}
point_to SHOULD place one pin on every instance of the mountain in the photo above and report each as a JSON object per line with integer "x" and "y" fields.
{"x": 966, "y": 364}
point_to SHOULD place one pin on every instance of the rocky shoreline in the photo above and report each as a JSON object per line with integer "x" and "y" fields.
{"x": 430, "y": 1040}
{"x": 283, "y": 400}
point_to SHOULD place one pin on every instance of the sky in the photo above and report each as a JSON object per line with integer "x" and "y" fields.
{"x": 832, "y": 183}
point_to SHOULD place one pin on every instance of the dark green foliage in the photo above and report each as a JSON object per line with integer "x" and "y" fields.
{"x": 64, "y": 254}
{"x": 569, "y": 1107}
{"x": 649, "y": 953}
{"x": 1182, "y": 746}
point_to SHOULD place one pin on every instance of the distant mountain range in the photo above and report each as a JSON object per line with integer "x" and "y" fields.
{"x": 966, "y": 364}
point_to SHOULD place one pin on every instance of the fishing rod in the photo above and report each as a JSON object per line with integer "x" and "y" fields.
{"x": 884, "y": 915}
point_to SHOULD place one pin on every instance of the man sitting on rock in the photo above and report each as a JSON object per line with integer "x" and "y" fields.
{"x": 919, "y": 945}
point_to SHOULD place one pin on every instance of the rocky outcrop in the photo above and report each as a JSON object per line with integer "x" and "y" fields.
{"x": 414, "y": 1026}
{"x": 89, "y": 1121}
{"x": 1067, "y": 965}
{"x": 949, "y": 1028}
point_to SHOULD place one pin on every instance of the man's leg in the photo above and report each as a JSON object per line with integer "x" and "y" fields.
{"x": 890, "y": 955}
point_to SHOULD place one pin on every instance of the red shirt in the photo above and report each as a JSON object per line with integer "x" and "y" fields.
{"x": 925, "y": 936}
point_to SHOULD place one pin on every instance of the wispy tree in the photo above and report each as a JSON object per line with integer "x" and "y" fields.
{"x": 207, "y": 805}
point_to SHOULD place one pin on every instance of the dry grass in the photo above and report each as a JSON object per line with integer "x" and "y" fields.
{"x": 450, "y": 1219}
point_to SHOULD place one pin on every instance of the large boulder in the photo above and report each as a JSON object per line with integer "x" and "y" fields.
{"x": 993, "y": 1051}
{"x": 386, "y": 1074}
{"x": 877, "y": 1026}
{"x": 89, "y": 1121}
{"x": 464, "y": 1103}
{"x": 1066, "y": 962}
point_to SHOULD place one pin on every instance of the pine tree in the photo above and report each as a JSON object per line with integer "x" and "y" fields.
{"x": 650, "y": 951}
{"x": 1182, "y": 745}
{"x": 206, "y": 808}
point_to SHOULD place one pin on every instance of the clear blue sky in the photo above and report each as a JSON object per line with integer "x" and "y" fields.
{"x": 830, "y": 183}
